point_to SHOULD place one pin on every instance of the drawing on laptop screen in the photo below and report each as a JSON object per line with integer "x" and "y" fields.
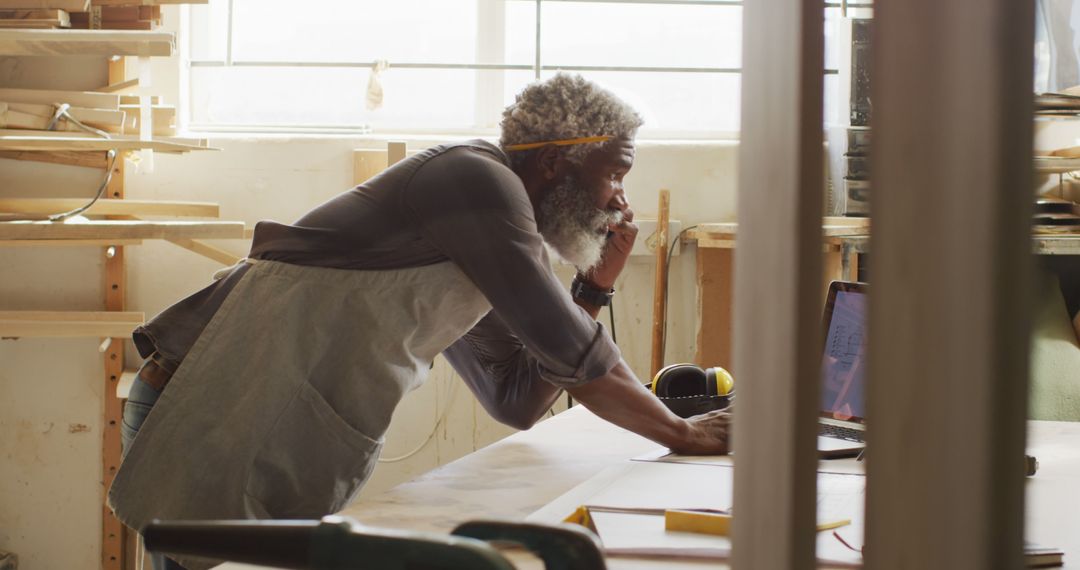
{"x": 844, "y": 361}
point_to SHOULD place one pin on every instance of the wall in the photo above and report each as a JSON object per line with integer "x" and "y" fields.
{"x": 51, "y": 389}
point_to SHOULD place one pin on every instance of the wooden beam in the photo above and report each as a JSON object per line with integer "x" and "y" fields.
{"x": 110, "y": 207}
{"x": 68, "y": 324}
{"x": 86, "y": 42}
{"x": 120, "y": 229}
{"x": 206, "y": 250}
{"x": 84, "y": 159}
{"x": 777, "y": 350}
{"x": 950, "y": 307}
{"x": 145, "y": 2}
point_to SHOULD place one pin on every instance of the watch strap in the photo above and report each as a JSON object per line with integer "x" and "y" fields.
{"x": 583, "y": 291}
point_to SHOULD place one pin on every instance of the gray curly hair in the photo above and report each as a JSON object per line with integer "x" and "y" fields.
{"x": 567, "y": 106}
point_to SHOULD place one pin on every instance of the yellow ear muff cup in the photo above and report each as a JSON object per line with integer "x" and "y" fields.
{"x": 718, "y": 381}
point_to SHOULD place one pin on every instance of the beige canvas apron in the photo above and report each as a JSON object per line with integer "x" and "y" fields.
{"x": 280, "y": 408}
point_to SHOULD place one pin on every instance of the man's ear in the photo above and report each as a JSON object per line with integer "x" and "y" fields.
{"x": 547, "y": 161}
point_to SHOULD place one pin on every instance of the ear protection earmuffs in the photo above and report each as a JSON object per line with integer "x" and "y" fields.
{"x": 688, "y": 389}
{"x": 682, "y": 380}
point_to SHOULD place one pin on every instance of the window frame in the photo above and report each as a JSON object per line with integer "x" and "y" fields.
{"x": 487, "y": 103}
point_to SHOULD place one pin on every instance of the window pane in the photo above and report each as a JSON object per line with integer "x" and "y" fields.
{"x": 674, "y": 103}
{"x": 348, "y": 31}
{"x": 335, "y": 97}
{"x": 209, "y": 33}
{"x": 670, "y": 35}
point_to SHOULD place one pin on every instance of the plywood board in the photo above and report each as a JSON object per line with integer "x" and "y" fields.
{"x": 62, "y": 324}
{"x": 85, "y": 42}
{"x": 120, "y": 229}
{"x": 109, "y": 207}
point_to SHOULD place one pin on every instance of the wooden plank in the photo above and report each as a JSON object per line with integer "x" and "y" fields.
{"x": 86, "y": 42}
{"x": 84, "y": 99}
{"x": 120, "y": 87}
{"x": 84, "y": 159}
{"x": 110, "y": 207}
{"x": 716, "y": 280}
{"x": 39, "y": 117}
{"x": 69, "y": 324}
{"x": 65, "y": 5}
{"x": 949, "y": 312}
{"x": 206, "y": 250}
{"x": 367, "y": 163}
{"x": 34, "y": 24}
{"x": 660, "y": 288}
{"x": 120, "y": 229}
{"x": 113, "y": 533}
{"x": 64, "y": 142}
{"x": 69, "y": 242}
{"x": 145, "y": 2}
{"x": 778, "y": 285}
{"x": 134, "y": 100}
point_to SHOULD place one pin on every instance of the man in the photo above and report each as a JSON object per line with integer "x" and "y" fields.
{"x": 271, "y": 389}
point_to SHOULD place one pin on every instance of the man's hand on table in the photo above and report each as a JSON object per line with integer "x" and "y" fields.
{"x": 709, "y": 434}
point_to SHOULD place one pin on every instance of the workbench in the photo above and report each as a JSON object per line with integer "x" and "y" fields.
{"x": 522, "y": 473}
{"x": 843, "y": 241}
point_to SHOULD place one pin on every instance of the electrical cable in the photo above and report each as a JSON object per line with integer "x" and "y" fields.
{"x": 434, "y": 430}
{"x": 62, "y": 113}
{"x": 667, "y": 274}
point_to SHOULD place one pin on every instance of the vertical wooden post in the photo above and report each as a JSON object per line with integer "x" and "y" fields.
{"x": 949, "y": 307}
{"x": 777, "y": 353}
{"x": 113, "y": 532}
{"x": 660, "y": 289}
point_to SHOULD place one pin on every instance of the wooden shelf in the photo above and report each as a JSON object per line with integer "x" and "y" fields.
{"x": 120, "y": 229}
{"x": 107, "y": 207}
{"x": 67, "y": 324}
{"x": 13, "y": 140}
{"x": 86, "y": 42}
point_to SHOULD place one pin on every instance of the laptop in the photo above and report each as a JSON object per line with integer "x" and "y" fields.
{"x": 843, "y": 371}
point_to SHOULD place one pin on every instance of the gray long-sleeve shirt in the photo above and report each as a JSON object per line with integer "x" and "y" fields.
{"x": 459, "y": 203}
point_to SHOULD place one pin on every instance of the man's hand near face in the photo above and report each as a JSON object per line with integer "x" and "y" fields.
{"x": 616, "y": 252}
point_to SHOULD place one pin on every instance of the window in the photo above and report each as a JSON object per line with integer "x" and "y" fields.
{"x": 452, "y": 65}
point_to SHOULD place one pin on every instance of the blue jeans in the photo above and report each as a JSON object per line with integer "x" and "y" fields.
{"x": 140, "y": 400}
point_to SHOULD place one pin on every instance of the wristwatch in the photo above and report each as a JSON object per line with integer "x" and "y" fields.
{"x": 581, "y": 290}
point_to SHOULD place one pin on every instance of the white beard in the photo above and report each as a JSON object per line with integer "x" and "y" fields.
{"x": 574, "y": 228}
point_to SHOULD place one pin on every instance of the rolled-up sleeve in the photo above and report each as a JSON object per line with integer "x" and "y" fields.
{"x": 476, "y": 211}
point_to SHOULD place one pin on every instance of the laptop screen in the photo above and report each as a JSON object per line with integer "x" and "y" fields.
{"x": 844, "y": 360}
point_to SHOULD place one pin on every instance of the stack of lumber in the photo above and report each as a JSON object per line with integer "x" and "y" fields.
{"x": 134, "y": 17}
{"x": 85, "y": 14}
{"x": 33, "y": 109}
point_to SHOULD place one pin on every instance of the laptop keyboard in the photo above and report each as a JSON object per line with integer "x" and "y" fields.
{"x": 841, "y": 432}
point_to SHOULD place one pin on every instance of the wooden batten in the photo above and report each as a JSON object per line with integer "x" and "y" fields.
{"x": 777, "y": 350}
{"x": 65, "y": 5}
{"x": 15, "y": 140}
{"x": 84, "y": 99}
{"x": 64, "y": 324}
{"x": 109, "y": 207}
{"x": 34, "y": 19}
{"x": 85, "y": 159}
{"x": 120, "y": 229}
{"x": 86, "y": 42}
